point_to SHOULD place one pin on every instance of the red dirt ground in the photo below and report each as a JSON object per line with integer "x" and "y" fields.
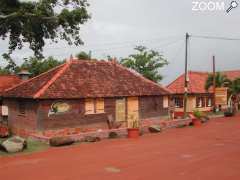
{"x": 210, "y": 152}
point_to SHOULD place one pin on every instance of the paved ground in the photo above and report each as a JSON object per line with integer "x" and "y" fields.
{"x": 210, "y": 152}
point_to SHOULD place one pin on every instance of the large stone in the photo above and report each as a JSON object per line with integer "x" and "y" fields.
{"x": 91, "y": 139}
{"x": 14, "y": 144}
{"x": 154, "y": 129}
{"x": 61, "y": 141}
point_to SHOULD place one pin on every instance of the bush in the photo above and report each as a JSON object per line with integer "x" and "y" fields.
{"x": 112, "y": 135}
{"x": 61, "y": 141}
{"x": 198, "y": 114}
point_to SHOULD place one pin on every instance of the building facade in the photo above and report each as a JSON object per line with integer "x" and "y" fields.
{"x": 84, "y": 94}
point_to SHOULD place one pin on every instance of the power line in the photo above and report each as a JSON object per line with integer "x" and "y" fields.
{"x": 215, "y": 37}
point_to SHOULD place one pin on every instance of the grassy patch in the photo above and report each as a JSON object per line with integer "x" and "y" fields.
{"x": 32, "y": 146}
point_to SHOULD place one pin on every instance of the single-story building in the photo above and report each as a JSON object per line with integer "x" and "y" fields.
{"x": 6, "y": 82}
{"x": 198, "y": 97}
{"x": 86, "y": 94}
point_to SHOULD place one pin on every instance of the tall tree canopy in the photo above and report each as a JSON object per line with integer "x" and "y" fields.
{"x": 220, "y": 79}
{"x": 34, "y": 65}
{"x": 83, "y": 56}
{"x": 146, "y": 62}
{"x": 37, "y": 66}
{"x": 36, "y": 21}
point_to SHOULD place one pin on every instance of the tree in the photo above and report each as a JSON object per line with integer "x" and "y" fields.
{"x": 34, "y": 22}
{"x": 83, "y": 56}
{"x": 37, "y": 66}
{"x": 220, "y": 79}
{"x": 234, "y": 91}
{"x": 146, "y": 62}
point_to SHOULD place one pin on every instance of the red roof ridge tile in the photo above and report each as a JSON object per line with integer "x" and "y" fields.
{"x": 24, "y": 82}
{"x": 53, "y": 79}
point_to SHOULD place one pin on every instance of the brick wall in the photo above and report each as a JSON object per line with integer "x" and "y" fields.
{"x": 75, "y": 116}
{"x": 16, "y": 120}
{"x": 151, "y": 106}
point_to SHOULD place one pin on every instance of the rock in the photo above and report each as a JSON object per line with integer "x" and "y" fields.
{"x": 154, "y": 129}
{"x": 91, "y": 139}
{"x": 204, "y": 119}
{"x": 61, "y": 141}
{"x": 112, "y": 135}
{"x": 14, "y": 144}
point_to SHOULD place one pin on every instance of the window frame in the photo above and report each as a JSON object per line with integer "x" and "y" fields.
{"x": 95, "y": 102}
{"x": 178, "y": 102}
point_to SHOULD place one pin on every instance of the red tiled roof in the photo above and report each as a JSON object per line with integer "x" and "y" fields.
{"x": 7, "y": 81}
{"x": 232, "y": 74}
{"x": 81, "y": 79}
{"x": 197, "y": 81}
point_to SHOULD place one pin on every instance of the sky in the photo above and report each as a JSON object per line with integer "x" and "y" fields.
{"x": 117, "y": 26}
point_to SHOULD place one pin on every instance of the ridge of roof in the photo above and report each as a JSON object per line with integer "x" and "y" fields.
{"x": 179, "y": 77}
{"x": 24, "y": 82}
{"x": 52, "y": 80}
{"x": 142, "y": 77}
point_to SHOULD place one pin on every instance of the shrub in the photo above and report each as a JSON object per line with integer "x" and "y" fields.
{"x": 198, "y": 114}
{"x": 112, "y": 135}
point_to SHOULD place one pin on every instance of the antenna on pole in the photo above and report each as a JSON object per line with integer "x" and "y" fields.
{"x": 186, "y": 75}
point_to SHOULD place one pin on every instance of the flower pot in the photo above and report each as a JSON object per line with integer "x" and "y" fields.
{"x": 197, "y": 122}
{"x": 133, "y": 132}
{"x": 4, "y": 131}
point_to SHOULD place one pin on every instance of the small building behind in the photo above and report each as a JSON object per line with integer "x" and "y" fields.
{"x": 198, "y": 97}
{"x": 6, "y": 82}
{"x": 86, "y": 95}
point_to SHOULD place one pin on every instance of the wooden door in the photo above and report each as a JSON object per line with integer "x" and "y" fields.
{"x": 121, "y": 110}
{"x": 133, "y": 110}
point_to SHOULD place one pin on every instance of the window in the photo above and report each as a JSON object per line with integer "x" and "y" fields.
{"x": 165, "y": 102}
{"x": 21, "y": 107}
{"x": 178, "y": 101}
{"x": 89, "y": 106}
{"x": 100, "y": 105}
{"x": 209, "y": 102}
{"x": 200, "y": 102}
{"x": 94, "y": 106}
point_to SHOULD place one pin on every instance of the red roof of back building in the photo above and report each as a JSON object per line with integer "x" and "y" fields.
{"x": 7, "y": 81}
{"x": 197, "y": 81}
{"x": 81, "y": 79}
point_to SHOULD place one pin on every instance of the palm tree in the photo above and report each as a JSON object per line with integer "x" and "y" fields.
{"x": 234, "y": 90}
{"x": 220, "y": 80}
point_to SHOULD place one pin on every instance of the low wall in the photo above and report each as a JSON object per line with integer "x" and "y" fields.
{"x": 122, "y": 132}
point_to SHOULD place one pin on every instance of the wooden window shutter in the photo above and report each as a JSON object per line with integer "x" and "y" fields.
{"x": 100, "y": 105}
{"x": 89, "y": 106}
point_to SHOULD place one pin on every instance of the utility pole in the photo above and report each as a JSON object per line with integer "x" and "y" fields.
{"x": 186, "y": 75}
{"x": 214, "y": 83}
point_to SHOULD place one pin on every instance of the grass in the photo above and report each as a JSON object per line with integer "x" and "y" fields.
{"x": 32, "y": 146}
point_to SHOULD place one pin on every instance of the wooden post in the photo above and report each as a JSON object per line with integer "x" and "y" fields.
{"x": 214, "y": 83}
{"x": 186, "y": 76}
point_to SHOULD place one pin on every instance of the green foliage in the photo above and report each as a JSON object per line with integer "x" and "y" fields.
{"x": 234, "y": 87}
{"x": 146, "y": 62}
{"x": 221, "y": 81}
{"x": 37, "y": 66}
{"x": 34, "y": 65}
{"x": 198, "y": 114}
{"x": 83, "y": 56}
{"x": 36, "y": 21}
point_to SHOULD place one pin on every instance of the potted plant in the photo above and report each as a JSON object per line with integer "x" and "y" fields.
{"x": 133, "y": 128}
{"x": 196, "y": 120}
{"x": 4, "y": 131}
